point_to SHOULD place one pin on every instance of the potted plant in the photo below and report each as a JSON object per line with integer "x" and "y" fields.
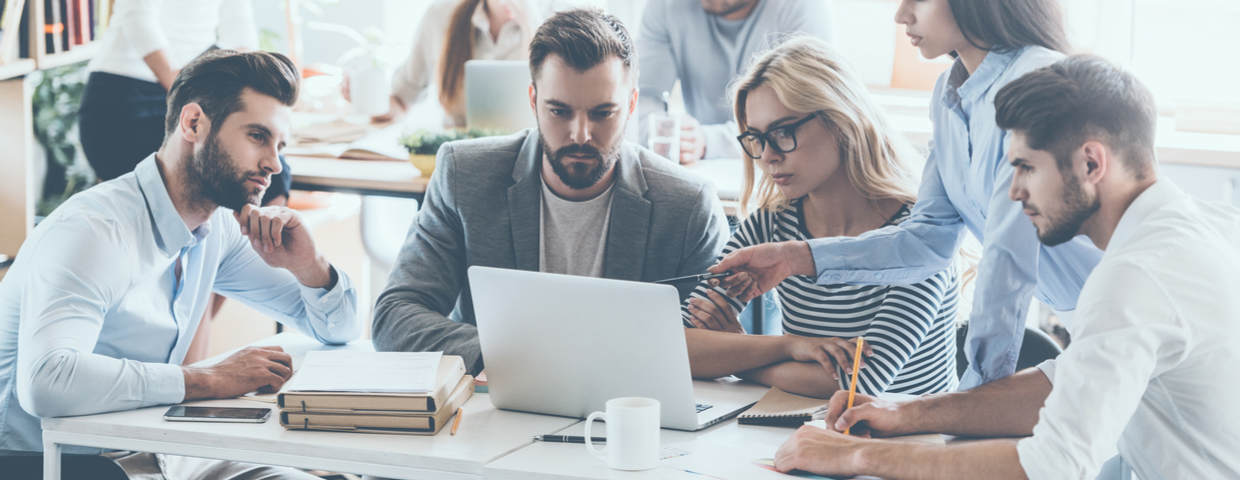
{"x": 423, "y": 145}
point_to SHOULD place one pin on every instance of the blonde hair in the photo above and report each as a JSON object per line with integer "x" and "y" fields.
{"x": 809, "y": 76}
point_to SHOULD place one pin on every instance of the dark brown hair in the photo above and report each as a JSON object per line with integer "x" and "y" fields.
{"x": 1059, "y": 107}
{"x": 583, "y": 38}
{"x": 458, "y": 48}
{"x": 216, "y": 79}
{"x": 1005, "y": 25}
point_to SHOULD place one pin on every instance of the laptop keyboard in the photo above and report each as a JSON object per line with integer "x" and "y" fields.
{"x": 701, "y": 408}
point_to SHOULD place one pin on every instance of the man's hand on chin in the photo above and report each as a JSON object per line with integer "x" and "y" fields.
{"x": 283, "y": 241}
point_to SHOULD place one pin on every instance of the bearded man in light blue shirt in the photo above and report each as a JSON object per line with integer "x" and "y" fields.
{"x": 103, "y": 301}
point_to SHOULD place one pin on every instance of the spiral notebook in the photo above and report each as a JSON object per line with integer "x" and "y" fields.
{"x": 782, "y": 409}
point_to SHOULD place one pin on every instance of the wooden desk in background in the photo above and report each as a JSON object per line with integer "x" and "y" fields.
{"x": 401, "y": 179}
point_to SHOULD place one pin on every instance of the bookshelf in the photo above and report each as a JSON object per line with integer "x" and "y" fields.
{"x": 16, "y": 68}
{"x": 43, "y": 34}
{"x": 18, "y": 195}
{"x": 68, "y": 29}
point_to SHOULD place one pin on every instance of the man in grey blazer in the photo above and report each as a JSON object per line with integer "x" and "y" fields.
{"x": 568, "y": 197}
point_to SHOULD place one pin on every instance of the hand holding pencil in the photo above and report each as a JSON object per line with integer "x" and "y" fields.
{"x": 869, "y": 416}
{"x": 852, "y": 384}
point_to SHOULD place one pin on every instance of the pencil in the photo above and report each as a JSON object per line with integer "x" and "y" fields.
{"x": 852, "y": 384}
{"x": 460, "y": 412}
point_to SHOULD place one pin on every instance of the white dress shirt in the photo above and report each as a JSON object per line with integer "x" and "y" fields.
{"x": 183, "y": 29}
{"x": 93, "y": 319}
{"x": 1154, "y": 351}
{"x": 420, "y": 71}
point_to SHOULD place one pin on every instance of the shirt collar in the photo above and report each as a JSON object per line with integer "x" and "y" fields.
{"x": 1162, "y": 193}
{"x": 170, "y": 231}
{"x": 962, "y": 86}
{"x": 480, "y": 19}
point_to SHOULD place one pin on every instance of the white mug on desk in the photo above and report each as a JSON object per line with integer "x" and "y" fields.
{"x": 632, "y": 433}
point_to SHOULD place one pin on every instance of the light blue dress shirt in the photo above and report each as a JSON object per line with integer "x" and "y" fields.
{"x": 92, "y": 318}
{"x": 965, "y": 185}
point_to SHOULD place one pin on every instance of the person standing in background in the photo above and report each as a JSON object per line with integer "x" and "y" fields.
{"x": 705, "y": 44}
{"x": 121, "y": 120}
{"x": 454, "y": 32}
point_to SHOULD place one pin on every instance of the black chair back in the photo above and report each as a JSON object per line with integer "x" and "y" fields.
{"x": 1035, "y": 348}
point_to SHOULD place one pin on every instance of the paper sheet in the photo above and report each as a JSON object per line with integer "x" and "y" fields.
{"x": 357, "y": 371}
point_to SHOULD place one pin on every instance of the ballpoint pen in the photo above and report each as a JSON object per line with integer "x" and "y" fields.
{"x": 567, "y": 439}
{"x": 695, "y": 278}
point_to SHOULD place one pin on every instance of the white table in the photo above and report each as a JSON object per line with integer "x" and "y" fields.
{"x": 728, "y": 446}
{"x": 485, "y": 434}
{"x": 571, "y": 460}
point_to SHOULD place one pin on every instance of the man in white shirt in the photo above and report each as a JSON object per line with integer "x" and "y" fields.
{"x": 1156, "y": 338}
{"x": 102, "y": 303}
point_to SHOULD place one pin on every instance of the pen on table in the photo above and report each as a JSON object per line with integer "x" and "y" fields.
{"x": 567, "y": 439}
{"x": 852, "y": 384}
{"x": 695, "y": 278}
{"x": 460, "y": 412}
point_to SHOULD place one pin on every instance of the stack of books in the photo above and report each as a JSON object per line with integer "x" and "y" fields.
{"x": 364, "y": 392}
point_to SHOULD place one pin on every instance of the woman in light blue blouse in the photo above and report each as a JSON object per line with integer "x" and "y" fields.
{"x": 964, "y": 186}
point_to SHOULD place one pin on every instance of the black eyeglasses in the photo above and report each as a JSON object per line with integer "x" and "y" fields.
{"x": 782, "y": 139}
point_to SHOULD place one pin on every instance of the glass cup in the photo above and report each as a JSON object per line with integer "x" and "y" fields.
{"x": 664, "y": 138}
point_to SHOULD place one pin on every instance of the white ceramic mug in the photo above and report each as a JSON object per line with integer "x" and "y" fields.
{"x": 632, "y": 433}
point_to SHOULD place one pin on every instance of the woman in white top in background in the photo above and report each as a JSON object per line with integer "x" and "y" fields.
{"x": 123, "y": 107}
{"x": 456, "y": 31}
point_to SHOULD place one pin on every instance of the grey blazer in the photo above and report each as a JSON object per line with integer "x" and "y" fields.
{"x": 482, "y": 207}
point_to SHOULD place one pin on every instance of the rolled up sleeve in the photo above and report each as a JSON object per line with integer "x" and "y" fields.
{"x": 1127, "y": 337}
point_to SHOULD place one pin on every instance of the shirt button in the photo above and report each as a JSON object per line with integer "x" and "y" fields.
{"x": 323, "y": 300}
{"x": 836, "y": 276}
{"x": 878, "y": 275}
{"x": 333, "y": 324}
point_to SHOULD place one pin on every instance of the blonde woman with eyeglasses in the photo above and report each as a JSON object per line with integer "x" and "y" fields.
{"x": 831, "y": 166}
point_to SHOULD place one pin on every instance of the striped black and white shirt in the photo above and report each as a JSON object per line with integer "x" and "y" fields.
{"x": 910, "y": 327}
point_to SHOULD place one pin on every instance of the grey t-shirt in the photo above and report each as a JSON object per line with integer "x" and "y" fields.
{"x": 573, "y": 235}
{"x": 679, "y": 40}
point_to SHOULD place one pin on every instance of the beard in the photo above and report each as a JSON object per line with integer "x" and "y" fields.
{"x": 580, "y": 175}
{"x": 1066, "y": 223}
{"x": 212, "y": 177}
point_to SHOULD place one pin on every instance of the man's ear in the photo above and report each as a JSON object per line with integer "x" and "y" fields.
{"x": 194, "y": 123}
{"x": 633, "y": 100}
{"x": 1097, "y": 160}
{"x": 534, "y": 99}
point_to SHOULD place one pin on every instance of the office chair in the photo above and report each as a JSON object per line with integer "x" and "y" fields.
{"x": 1035, "y": 348}
{"x": 385, "y": 223}
{"x": 17, "y": 465}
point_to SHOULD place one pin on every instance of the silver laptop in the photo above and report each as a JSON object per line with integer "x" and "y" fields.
{"x": 564, "y": 345}
{"x": 497, "y": 95}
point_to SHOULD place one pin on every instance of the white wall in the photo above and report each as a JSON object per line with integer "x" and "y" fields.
{"x": 398, "y": 19}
